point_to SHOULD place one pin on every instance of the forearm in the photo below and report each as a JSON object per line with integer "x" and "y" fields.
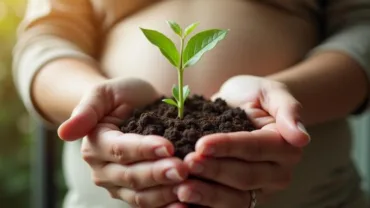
{"x": 329, "y": 85}
{"x": 58, "y": 87}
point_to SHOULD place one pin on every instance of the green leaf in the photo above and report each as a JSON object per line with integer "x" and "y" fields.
{"x": 170, "y": 102}
{"x": 200, "y": 43}
{"x": 165, "y": 45}
{"x": 175, "y": 92}
{"x": 175, "y": 27}
{"x": 190, "y": 28}
{"x": 186, "y": 92}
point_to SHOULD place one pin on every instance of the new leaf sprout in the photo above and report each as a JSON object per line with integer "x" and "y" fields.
{"x": 188, "y": 55}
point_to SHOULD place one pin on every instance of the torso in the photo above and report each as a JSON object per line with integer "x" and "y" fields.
{"x": 262, "y": 40}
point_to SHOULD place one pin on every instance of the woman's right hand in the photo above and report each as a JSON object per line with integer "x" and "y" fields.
{"x": 140, "y": 170}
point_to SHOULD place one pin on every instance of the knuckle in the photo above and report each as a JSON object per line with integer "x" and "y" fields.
{"x": 100, "y": 92}
{"x": 87, "y": 154}
{"x": 139, "y": 200}
{"x": 99, "y": 182}
{"x": 98, "y": 89}
{"x": 113, "y": 194}
{"x": 140, "y": 149}
{"x": 129, "y": 178}
{"x": 126, "y": 195}
{"x": 117, "y": 153}
{"x": 153, "y": 175}
{"x": 89, "y": 158}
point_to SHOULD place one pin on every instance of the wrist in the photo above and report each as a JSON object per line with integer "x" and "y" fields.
{"x": 329, "y": 85}
{"x": 58, "y": 87}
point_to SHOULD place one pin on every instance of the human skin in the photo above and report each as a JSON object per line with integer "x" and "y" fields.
{"x": 269, "y": 40}
{"x": 254, "y": 47}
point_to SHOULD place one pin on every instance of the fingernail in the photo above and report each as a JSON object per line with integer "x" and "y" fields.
{"x": 76, "y": 111}
{"x": 196, "y": 167}
{"x": 173, "y": 175}
{"x": 302, "y": 129}
{"x": 194, "y": 197}
{"x": 161, "y": 152}
{"x": 175, "y": 189}
{"x": 209, "y": 151}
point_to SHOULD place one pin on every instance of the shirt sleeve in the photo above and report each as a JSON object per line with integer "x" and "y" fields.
{"x": 347, "y": 30}
{"x": 52, "y": 29}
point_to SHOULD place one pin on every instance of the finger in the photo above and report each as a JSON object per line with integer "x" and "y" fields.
{"x": 259, "y": 145}
{"x": 259, "y": 117}
{"x": 238, "y": 174}
{"x": 239, "y": 90}
{"x": 115, "y": 99}
{"x": 154, "y": 197}
{"x": 86, "y": 114}
{"x": 286, "y": 110}
{"x": 211, "y": 195}
{"x": 107, "y": 144}
{"x": 142, "y": 175}
{"x": 176, "y": 205}
{"x": 83, "y": 122}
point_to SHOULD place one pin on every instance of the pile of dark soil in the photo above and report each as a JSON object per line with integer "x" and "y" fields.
{"x": 201, "y": 117}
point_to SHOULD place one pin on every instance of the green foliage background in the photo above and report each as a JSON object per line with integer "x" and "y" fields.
{"x": 16, "y": 128}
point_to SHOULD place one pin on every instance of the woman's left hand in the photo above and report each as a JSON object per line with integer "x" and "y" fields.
{"x": 241, "y": 162}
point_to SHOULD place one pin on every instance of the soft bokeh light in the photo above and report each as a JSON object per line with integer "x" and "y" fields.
{"x": 3, "y": 10}
{"x": 16, "y": 127}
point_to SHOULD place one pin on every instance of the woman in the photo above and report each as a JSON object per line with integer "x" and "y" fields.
{"x": 90, "y": 57}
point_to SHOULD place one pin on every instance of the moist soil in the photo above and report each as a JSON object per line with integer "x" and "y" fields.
{"x": 201, "y": 117}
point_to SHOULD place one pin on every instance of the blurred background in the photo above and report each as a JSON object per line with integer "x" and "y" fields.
{"x": 20, "y": 138}
{"x": 19, "y": 170}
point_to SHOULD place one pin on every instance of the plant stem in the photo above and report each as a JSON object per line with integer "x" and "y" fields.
{"x": 180, "y": 80}
{"x": 181, "y": 98}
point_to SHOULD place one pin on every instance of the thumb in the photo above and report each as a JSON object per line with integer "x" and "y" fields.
{"x": 84, "y": 117}
{"x": 286, "y": 111}
{"x": 106, "y": 99}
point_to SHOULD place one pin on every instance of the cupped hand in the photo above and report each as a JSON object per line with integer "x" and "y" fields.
{"x": 267, "y": 102}
{"x": 239, "y": 162}
{"x": 140, "y": 170}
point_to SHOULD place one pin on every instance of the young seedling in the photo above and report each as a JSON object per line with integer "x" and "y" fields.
{"x": 189, "y": 54}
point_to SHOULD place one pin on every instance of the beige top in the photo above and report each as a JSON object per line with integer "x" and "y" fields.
{"x": 101, "y": 32}
{"x": 75, "y": 28}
